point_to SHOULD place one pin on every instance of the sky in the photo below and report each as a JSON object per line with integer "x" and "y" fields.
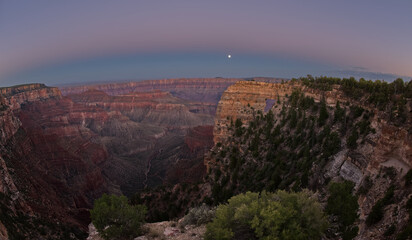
{"x": 76, "y": 41}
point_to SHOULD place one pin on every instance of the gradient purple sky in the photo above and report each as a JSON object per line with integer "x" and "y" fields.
{"x": 78, "y": 41}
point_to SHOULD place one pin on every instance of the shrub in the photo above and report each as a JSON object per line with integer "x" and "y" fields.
{"x": 199, "y": 215}
{"x": 376, "y": 213}
{"x": 342, "y": 203}
{"x": 114, "y": 218}
{"x": 279, "y": 215}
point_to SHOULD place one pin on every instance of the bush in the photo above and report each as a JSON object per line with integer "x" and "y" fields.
{"x": 114, "y": 218}
{"x": 342, "y": 203}
{"x": 279, "y": 215}
{"x": 376, "y": 213}
{"x": 199, "y": 215}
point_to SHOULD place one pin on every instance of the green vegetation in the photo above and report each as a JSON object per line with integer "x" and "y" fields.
{"x": 114, "y": 218}
{"x": 386, "y": 96}
{"x": 199, "y": 215}
{"x": 279, "y": 215}
{"x": 344, "y": 205}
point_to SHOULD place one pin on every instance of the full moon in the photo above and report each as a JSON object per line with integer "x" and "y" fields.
{"x": 229, "y": 56}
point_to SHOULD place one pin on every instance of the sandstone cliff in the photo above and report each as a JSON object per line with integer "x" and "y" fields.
{"x": 239, "y": 98}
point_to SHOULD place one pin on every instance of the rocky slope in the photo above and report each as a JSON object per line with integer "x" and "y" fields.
{"x": 50, "y": 165}
{"x": 377, "y": 160}
{"x": 166, "y": 230}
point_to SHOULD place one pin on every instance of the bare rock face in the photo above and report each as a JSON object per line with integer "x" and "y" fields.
{"x": 155, "y": 107}
{"x": 234, "y": 102}
{"x": 190, "y": 168}
{"x": 18, "y": 95}
{"x": 49, "y": 160}
{"x": 199, "y": 137}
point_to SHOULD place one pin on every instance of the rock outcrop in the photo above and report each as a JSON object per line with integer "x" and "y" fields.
{"x": 17, "y": 95}
{"x": 238, "y": 98}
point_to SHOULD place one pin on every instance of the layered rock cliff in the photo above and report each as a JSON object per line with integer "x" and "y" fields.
{"x": 194, "y": 89}
{"x": 238, "y": 100}
{"x": 17, "y": 95}
{"x": 49, "y": 164}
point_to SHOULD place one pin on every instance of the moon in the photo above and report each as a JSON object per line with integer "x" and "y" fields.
{"x": 229, "y": 56}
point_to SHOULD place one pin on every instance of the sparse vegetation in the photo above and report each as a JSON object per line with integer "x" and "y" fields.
{"x": 380, "y": 94}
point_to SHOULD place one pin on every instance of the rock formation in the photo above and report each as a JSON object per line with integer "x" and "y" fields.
{"x": 238, "y": 98}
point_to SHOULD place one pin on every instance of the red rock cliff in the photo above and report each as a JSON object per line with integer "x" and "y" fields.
{"x": 15, "y": 96}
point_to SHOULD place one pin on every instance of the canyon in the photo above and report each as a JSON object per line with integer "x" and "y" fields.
{"x": 62, "y": 148}
{"x": 60, "y": 152}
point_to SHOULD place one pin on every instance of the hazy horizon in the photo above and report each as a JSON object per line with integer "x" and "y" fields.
{"x": 79, "y": 42}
